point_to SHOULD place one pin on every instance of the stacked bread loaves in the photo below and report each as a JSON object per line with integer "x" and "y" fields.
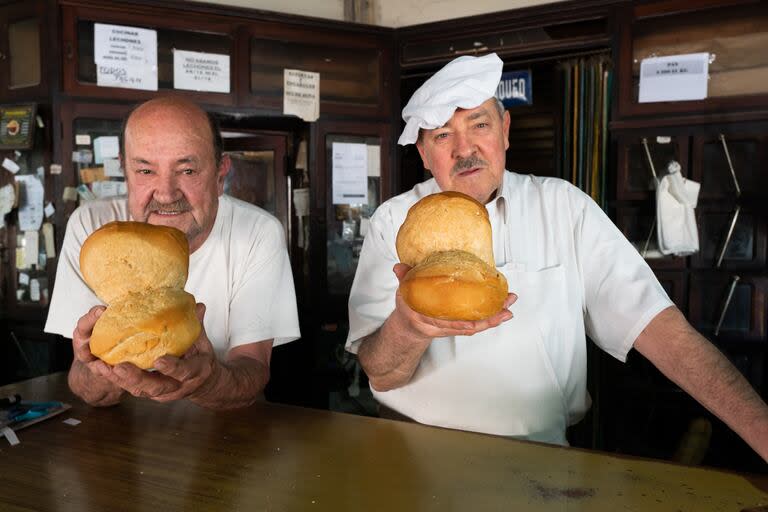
{"x": 139, "y": 271}
{"x": 446, "y": 238}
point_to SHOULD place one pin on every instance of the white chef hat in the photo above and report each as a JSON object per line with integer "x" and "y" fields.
{"x": 465, "y": 82}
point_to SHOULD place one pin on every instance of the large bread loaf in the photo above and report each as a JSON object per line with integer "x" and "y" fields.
{"x": 139, "y": 270}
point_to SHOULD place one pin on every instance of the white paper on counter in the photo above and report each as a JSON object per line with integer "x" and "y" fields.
{"x": 301, "y": 94}
{"x": 125, "y": 56}
{"x": 350, "y": 173}
{"x": 30, "y": 203}
{"x": 197, "y": 71}
{"x": 674, "y": 78}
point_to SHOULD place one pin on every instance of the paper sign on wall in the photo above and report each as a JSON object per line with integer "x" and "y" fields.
{"x": 674, "y": 78}
{"x": 105, "y": 147}
{"x": 374, "y": 161}
{"x": 301, "y": 94}
{"x": 350, "y": 173}
{"x": 31, "y": 197}
{"x": 125, "y": 56}
{"x": 196, "y": 71}
{"x": 31, "y": 248}
{"x": 112, "y": 168}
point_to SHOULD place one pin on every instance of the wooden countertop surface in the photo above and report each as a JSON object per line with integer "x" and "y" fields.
{"x": 141, "y": 455}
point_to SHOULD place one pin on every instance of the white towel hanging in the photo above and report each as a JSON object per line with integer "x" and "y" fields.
{"x": 676, "y": 199}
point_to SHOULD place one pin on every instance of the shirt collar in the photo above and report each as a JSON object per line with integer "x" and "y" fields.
{"x": 502, "y": 198}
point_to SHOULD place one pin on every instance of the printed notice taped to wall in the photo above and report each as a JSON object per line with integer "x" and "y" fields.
{"x": 197, "y": 71}
{"x": 350, "y": 173}
{"x": 301, "y": 94}
{"x": 674, "y": 78}
{"x": 125, "y": 57}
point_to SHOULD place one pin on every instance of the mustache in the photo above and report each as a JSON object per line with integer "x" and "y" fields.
{"x": 182, "y": 205}
{"x": 463, "y": 164}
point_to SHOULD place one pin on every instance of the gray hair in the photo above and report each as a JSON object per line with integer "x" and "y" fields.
{"x": 499, "y": 108}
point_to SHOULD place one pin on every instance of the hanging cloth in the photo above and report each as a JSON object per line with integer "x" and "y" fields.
{"x": 676, "y": 199}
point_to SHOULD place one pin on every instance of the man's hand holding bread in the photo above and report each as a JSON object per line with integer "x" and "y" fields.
{"x": 140, "y": 270}
{"x": 449, "y": 286}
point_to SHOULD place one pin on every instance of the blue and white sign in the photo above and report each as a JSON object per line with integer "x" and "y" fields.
{"x": 515, "y": 88}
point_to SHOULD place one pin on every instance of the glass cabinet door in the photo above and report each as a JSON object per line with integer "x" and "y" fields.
{"x": 352, "y": 179}
{"x": 24, "y": 52}
{"x": 350, "y": 210}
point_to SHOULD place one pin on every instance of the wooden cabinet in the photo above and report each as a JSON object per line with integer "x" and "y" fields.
{"x": 355, "y": 82}
{"x": 732, "y": 32}
{"x": 174, "y": 30}
{"x": 25, "y": 51}
{"x": 47, "y": 56}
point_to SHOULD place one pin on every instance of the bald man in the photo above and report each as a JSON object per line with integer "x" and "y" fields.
{"x": 239, "y": 270}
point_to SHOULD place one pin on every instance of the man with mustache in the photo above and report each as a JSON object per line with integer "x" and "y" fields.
{"x": 239, "y": 269}
{"x": 572, "y": 272}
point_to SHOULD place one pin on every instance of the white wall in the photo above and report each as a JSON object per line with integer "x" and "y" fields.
{"x": 332, "y": 9}
{"x": 388, "y": 13}
{"x": 399, "y": 13}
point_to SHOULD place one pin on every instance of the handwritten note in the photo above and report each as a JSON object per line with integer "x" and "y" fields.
{"x": 125, "y": 57}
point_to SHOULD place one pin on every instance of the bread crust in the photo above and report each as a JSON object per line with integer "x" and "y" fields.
{"x": 141, "y": 327}
{"x": 130, "y": 257}
{"x": 454, "y": 285}
{"x": 446, "y": 238}
{"x": 444, "y": 222}
{"x": 139, "y": 270}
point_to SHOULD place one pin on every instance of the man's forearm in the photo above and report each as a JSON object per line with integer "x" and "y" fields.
{"x": 699, "y": 368}
{"x": 90, "y": 388}
{"x": 233, "y": 384}
{"x": 390, "y": 355}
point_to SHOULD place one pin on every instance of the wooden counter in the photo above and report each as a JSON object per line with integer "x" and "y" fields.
{"x": 141, "y": 455}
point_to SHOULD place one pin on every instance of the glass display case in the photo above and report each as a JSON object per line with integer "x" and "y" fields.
{"x": 348, "y": 221}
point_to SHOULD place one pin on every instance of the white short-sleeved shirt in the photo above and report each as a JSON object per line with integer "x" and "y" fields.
{"x": 241, "y": 273}
{"x": 537, "y": 223}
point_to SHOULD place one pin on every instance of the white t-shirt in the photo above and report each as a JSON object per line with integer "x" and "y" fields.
{"x": 538, "y": 224}
{"x": 241, "y": 273}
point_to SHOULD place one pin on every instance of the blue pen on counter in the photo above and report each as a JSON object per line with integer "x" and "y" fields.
{"x": 24, "y": 411}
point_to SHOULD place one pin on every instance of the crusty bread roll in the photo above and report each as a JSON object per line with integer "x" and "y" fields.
{"x": 448, "y": 221}
{"x": 454, "y": 285}
{"x": 139, "y": 270}
{"x": 129, "y": 257}
{"x": 446, "y": 238}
